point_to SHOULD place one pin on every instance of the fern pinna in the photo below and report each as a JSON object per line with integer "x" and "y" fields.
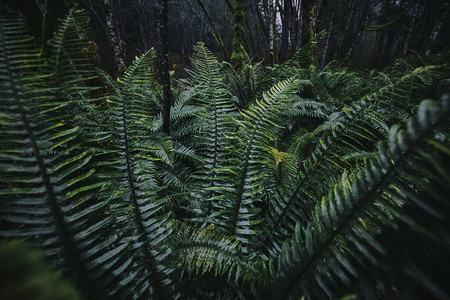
{"x": 272, "y": 186}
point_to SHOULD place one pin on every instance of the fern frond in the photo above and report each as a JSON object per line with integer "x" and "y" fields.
{"x": 352, "y": 130}
{"x": 137, "y": 194}
{"x": 48, "y": 192}
{"x": 290, "y": 67}
{"x": 240, "y": 212}
{"x": 212, "y": 139}
{"x": 243, "y": 82}
{"x": 337, "y": 243}
{"x": 206, "y": 250}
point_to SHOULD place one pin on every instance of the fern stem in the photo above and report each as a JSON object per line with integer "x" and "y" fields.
{"x": 245, "y": 169}
{"x": 160, "y": 290}
{"x": 216, "y": 146}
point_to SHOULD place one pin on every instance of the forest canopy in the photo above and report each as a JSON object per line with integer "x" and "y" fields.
{"x": 203, "y": 149}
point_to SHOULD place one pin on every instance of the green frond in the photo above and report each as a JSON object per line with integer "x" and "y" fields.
{"x": 240, "y": 212}
{"x": 47, "y": 187}
{"x": 352, "y": 130}
{"x": 243, "y": 82}
{"x": 69, "y": 64}
{"x": 337, "y": 243}
{"x": 290, "y": 67}
{"x": 214, "y": 125}
{"x": 209, "y": 251}
{"x": 137, "y": 195}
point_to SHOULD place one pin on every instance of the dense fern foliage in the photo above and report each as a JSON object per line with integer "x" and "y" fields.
{"x": 284, "y": 183}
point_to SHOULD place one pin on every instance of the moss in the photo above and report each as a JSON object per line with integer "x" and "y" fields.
{"x": 237, "y": 56}
{"x": 25, "y": 275}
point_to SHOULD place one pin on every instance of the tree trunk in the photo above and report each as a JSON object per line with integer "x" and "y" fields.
{"x": 307, "y": 20}
{"x": 264, "y": 28}
{"x": 215, "y": 32}
{"x": 250, "y": 35}
{"x": 164, "y": 65}
{"x": 54, "y": 10}
{"x": 274, "y": 48}
{"x": 307, "y": 24}
{"x": 237, "y": 56}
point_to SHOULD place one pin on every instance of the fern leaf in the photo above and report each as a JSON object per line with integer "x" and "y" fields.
{"x": 47, "y": 188}
{"x": 337, "y": 241}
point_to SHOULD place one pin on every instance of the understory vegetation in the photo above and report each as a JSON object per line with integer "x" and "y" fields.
{"x": 288, "y": 182}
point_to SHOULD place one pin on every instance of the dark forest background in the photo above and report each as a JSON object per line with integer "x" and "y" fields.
{"x": 368, "y": 34}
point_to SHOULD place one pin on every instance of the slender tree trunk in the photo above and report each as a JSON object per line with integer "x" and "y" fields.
{"x": 264, "y": 28}
{"x": 164, "y": 65}
{"x": 215, "y": 32}
{"x": 286, "y": 21}
{"x": 54, "y": 10}
{"x": 274, "y": 48}
{"x": 295, "y": 38}
{"x": 237, "y": 56}
{"x": 250, "y": 35}
{"x": 307, "y": 24}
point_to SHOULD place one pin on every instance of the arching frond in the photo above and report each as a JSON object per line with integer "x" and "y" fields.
{"x": 214, "y": 126}
{"x": 206, "y": 250}
{"x": 48, "y": 190}
{"x": 240, "y": 212}
{"x": 352, "y": 130}
{"x": 338, "y": 244}
{"x": 136, "y": 194}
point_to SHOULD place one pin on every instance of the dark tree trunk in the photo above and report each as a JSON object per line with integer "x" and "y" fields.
{"x": 214, "y": 31}
{"x": 307, "y": 20}
{"x": 274, "y": 48}
{"x": 237, "y": 56}
{"x": 164, "y": 65}
{"x": 307, "y": 24}
{"x": 250, "y": 34}
{"x": 54, "y": 10}
{"x": 263, "y": 27}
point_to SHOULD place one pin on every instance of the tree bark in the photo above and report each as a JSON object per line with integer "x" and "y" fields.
{"x": 54, "y": 10}
{"x": 164, "y": 65}
{"x": 307, "y": 24}
{"x": 250, "y": 34}
{"x": 215, "y": 32}
{"x": 274, "y": 48}
{"x": 264, "y": 28}
{"x": 237, "y": 56}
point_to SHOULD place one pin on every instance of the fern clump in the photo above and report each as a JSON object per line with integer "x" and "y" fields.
{"x": 291, "y": 182}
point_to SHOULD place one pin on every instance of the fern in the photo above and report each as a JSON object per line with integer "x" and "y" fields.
{"x": 136, "y": 192}
{"x": 214, "y": 125}
{"x": 351, "y": 131}
{"x": 240, "y": 212}
{"x": 205, "y": 250}
{"x": 337, "y": 241}
{"x": 46, "y": 177}
{"x": 280, "y": 187}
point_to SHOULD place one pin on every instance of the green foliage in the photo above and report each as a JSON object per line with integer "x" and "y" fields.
{"x": 297, "y": 182}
